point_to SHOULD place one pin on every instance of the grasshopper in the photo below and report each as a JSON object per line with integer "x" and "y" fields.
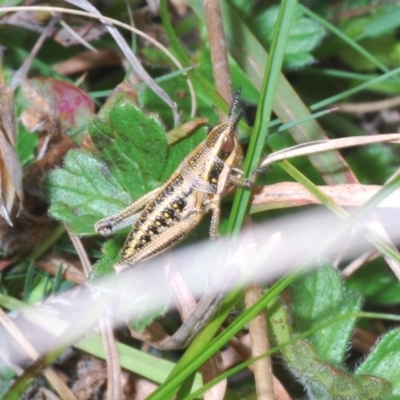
{"x": 164, "y": 216}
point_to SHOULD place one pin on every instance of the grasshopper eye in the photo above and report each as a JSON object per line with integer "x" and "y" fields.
{"x": 228, "y": 144}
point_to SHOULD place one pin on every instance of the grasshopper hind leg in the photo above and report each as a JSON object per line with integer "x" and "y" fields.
{"x": 162, "y": 242}
{"x": 125, "y": 217}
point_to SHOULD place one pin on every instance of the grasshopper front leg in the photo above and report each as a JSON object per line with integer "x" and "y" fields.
{"x": 246, "y": 182}
{"x": 215, "y": 206}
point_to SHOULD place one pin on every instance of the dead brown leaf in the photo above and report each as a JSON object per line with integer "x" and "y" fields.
{"x": 10, "y": 167}
{"x": 39, "y": 116}
{"x": 87, "y": 60}
{"x": 292, "y": 194}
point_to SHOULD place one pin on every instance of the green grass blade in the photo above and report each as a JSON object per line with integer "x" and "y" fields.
{"x": 267, "y": 98}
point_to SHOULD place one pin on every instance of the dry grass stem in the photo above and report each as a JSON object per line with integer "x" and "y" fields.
{"x": 218, "y": 48}
{"x": 359, "y": 262}
{"x": 325, "y": 145}
{"x": 259, "y": 345}
{"x": 114, "y": 375}
{"x": 78, "y": 38}
{"x": 369, "y": 107}
{"x": 293, "y": 194}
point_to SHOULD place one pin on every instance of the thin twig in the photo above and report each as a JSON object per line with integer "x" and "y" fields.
{"x": 359, "y": 262}
{"x": 202, "y": 314}
{"x": 78, "y": 37}
{"x": 186, "y": 304}
{"x": 114, "y": 390}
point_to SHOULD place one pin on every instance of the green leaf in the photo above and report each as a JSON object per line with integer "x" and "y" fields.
{"x": 323, "y": 380}
{"x": 133, "y": 145}
{"x": 104, "y": 267}
{"x": 26, "y": 145}
{"x": 317, "y": 296}
{"x": 84, "y": 191}
{"x": 384, "y": 362}
{"x": 305, "y": 35}
{"x": 134, "y": 148}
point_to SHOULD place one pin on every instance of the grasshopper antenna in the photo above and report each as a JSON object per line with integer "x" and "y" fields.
{"x": 235, "y": 104}
{"x": 236, "y": 111}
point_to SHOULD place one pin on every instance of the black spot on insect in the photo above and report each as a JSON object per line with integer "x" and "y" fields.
{"x": 144, "y": 239}
{"x": 179, "y": 204}
{"x": 159, "y": 221}
{"x": 214, "y": 174}
{"x": 139, "y": 245}
{"x": 152, "y": 230}
{"x": 169, "y": 213}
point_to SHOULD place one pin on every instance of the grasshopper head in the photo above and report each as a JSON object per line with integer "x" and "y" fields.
{"x": 222, "y": 138}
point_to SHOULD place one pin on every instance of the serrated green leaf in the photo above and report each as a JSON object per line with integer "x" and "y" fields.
{"x": 133, "y": 146}
{"x": 384, "y": 361}
{"x": 317, "y": 296}
{"x": 305, "y": 35}
{"x": 320, "y": 378}
{"x": 84, "y": 191}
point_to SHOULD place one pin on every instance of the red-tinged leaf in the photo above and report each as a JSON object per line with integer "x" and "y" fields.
{"x": 54, "y": 100}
